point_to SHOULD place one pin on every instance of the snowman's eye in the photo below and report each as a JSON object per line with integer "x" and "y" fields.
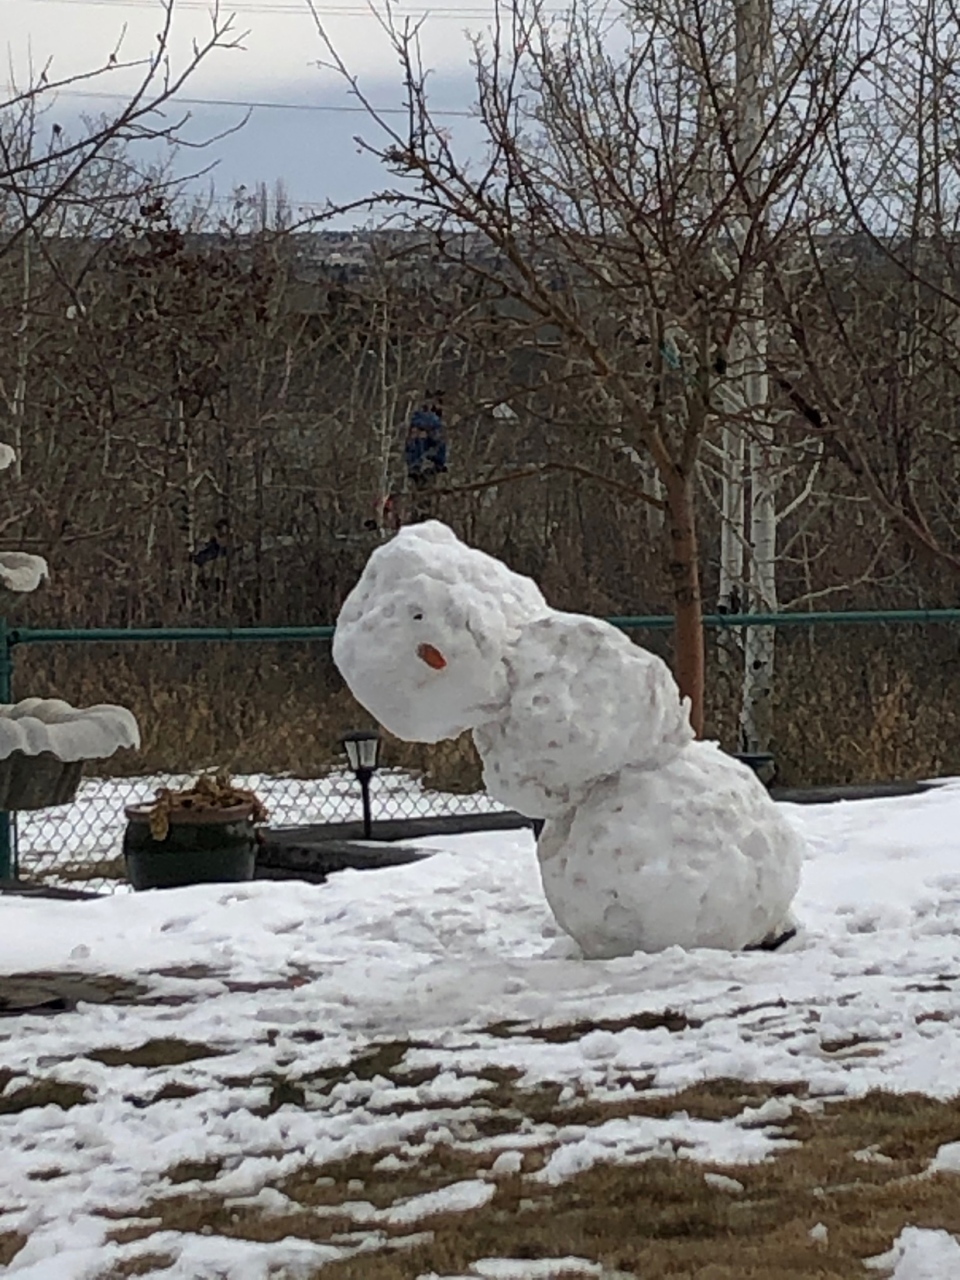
{"x": 418, "y": 617}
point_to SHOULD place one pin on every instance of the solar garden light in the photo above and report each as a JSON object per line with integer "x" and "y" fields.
{"x": 363, "y": 751}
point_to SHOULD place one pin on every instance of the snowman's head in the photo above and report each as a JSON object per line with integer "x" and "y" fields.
{"x": 421, "y": 638}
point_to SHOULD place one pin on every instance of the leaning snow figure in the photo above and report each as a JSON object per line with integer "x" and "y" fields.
{"x": 652, "y": 839}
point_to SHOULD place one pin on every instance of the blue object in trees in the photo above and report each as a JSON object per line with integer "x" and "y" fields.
{"x": 425, "y": 452}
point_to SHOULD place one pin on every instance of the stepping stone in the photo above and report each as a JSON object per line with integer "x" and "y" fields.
{"x": 300, "y": 857}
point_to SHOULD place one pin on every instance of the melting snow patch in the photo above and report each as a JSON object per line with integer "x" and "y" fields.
{"x": 527, "y": 1269}
{"x": 507, "y": 1163}
{"x": 773, "y": 1111}
{"x": 199, "y": 1255}
{"x": 873, "y": 1155}
{"x": 459, "y": 1197}
{"x": 947, "y": 1159}
{"x": 524, "y": 1269}
{"x": 390, "y": 1163}
{"x": 721, "y": 1182}
{"x": 646, "y": 1138}
{"x": 920, "y": 1255}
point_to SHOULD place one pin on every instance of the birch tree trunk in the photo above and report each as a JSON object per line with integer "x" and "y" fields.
{"x": 684, "y": 570}
{"x": 386, "y": 424}
{"x": 731, "y": 513}
{"x": 183, "y": 439}
{"x": 653, "y": 487}
{"x": 19, "y": 406}
{"x": 756, "y": 715}
{"x": 731, "y": 595}
{"x": 752, "y": 51}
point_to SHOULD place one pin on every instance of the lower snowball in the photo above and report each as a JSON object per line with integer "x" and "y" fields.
{"x": 694, "y": 854}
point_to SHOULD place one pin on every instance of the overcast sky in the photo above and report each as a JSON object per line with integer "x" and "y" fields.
{"x": 309, "y": 141}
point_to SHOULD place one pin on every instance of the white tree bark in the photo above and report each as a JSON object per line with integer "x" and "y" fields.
{"x": 731, "y": 594}
{"x": 756, "y": 714}
{"x": 653, "y": 487}
{"x": 752, "y": 19}
{"x": 19, "y": 406}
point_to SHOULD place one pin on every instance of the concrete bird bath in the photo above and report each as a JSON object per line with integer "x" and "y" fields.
{"x": 44, "y": 742}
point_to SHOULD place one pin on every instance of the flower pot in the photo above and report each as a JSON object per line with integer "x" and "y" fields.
{"x": 762, "y": 763}
{"x": 202, "y": 846}
{"x": 37, "y": 782}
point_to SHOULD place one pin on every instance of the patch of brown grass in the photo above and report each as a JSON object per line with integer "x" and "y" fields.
{"x": 194, "y": 1171}
{"x": 142, "y": 1265}
{"x": 155, "y": 1053}
{"x": 11, "y": 1242}
{"x": 566, "y": 1032}
{"x": 383, "y": 1059}
{"x": 325, "y": 1186}
{"x": 43, "y": 1093}
{"x": 172, "y": 1091}
{"x": 661, "y": 1218}
{"x": 199, "y": 1212}
{"x": 655, "y": 1219}
{"x": 24, "y": 989}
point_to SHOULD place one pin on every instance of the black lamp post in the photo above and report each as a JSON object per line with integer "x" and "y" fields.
{"x": 363, "y": 751}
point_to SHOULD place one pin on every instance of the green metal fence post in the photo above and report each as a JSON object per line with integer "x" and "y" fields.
{"x": 8, "y": 867}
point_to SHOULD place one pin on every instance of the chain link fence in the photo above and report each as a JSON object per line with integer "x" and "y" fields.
{"x": 79, "y": 845}
{"x": 852, "y": 704}
{"x": 272, "y": 715}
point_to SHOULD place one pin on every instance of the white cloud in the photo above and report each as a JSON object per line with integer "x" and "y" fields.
{"x": 279, "y": 46}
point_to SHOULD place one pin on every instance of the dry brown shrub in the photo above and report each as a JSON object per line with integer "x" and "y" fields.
{"x": 852, "y": 705}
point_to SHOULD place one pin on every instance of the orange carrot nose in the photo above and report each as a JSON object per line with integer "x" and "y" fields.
{"x": 431, "y": 656}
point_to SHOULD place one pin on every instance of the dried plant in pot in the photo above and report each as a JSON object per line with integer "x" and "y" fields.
{"x": 205, "y": 833}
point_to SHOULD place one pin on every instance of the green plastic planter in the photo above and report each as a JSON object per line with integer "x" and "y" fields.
{"x": 202, "y": 846}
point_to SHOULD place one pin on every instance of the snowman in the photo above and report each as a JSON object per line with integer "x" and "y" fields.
{"x": 651, "y": 838}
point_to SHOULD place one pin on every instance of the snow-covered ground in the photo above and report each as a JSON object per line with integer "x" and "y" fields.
{"x": 454, "y": 968}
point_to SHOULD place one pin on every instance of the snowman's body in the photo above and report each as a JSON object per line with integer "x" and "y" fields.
{"x": 689, "y": 855}
{"x": 652, "y": 839}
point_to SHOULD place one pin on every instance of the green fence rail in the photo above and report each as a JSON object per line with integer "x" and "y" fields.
{"x": 13, "y": 637}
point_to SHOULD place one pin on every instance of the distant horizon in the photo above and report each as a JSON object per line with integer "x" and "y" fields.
{"x": 303, "y": 118}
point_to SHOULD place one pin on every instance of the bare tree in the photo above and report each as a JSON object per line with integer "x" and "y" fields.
{"x": 869, "y": 311}
{"x": 68, "y": 194}
{"x": 42, "y": 163}
{"x": 599, "y": 204}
